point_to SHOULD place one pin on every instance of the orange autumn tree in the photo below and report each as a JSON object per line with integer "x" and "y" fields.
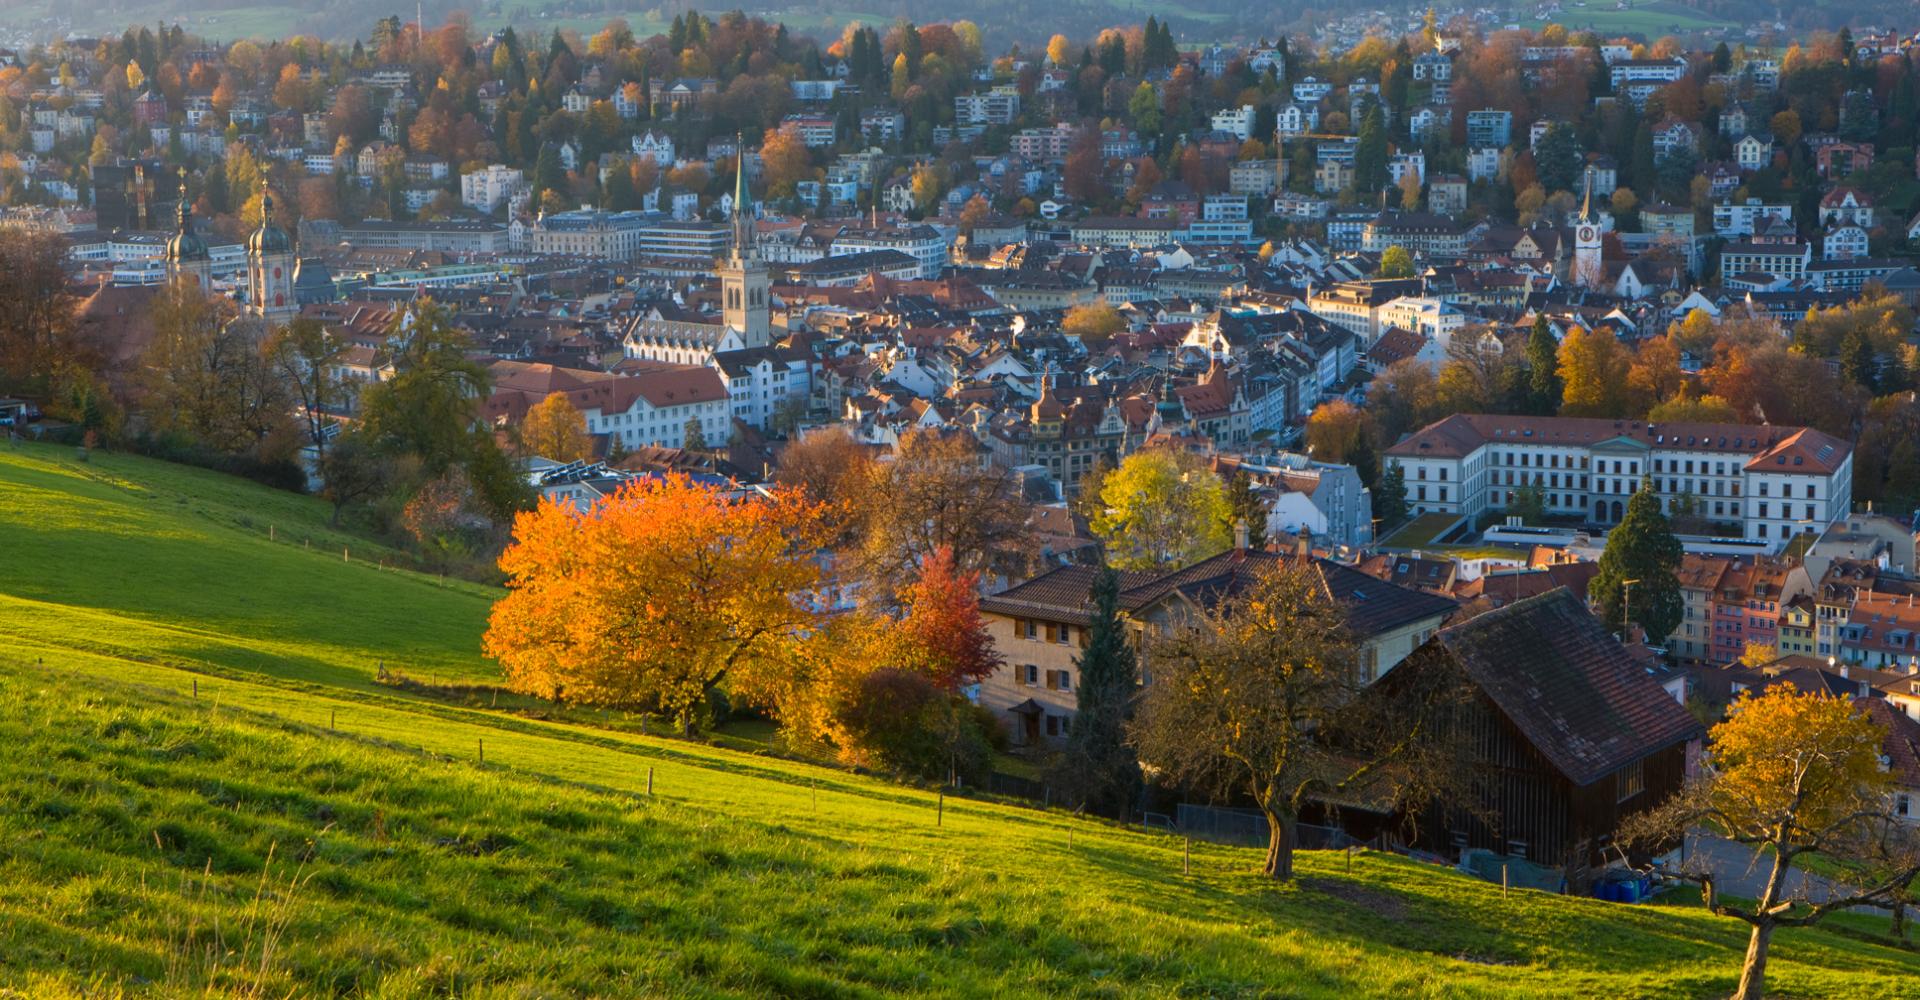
{"x": 656, "y": 596}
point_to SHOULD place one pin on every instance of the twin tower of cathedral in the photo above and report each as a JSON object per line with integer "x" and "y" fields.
{"x": 270, "y": 261}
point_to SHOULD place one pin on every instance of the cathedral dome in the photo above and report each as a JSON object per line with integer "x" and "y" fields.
{"x": 269, "y": 238}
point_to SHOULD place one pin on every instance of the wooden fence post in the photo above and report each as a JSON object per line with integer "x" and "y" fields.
{"x": 332, "y": 717}
{"x": 483, "y": 752}
{"x": 1186, "y": 859}
{"x": 940, "y": 814}
{"x": 1503, "y": 880}
{"x": 649, "y": 782}
{"x": 196, "y": 687}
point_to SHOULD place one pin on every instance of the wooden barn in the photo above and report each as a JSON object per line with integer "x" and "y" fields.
{"x": 1574, "y": 734}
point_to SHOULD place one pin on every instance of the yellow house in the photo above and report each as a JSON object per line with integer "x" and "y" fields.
{"x": 1040, "y": 626}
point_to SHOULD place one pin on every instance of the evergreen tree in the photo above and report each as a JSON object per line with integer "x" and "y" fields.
{"x": 1857, "y": 360}
{"x": 1099, "y": 769}
{"x": 1645, "y": 171}
{"x": 1642, "y": 549}
{"x": 1365, "y": 463}
{"x": 1543, "y": 364}
{"x": 1370, "y": 153}
{"x": 1248, "y": 509}
{"x": 693, "y": 436}
{"x": 1390, "y": 497}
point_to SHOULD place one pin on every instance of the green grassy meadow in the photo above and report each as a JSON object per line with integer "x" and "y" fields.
{"x": 203, "y": 792}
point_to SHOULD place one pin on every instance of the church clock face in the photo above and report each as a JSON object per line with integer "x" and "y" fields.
{"x": 1587, "y": 235}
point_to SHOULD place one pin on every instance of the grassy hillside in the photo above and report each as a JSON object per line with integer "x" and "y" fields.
{"x": 297, "y": 830}
{"x": 132, "y": 556}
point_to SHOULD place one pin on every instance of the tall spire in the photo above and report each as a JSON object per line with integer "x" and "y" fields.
{"x": 742, "y": 217}
{"x": 1586, "y": 201}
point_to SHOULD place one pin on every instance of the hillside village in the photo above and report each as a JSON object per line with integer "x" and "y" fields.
{"x": 1431, "y": 317}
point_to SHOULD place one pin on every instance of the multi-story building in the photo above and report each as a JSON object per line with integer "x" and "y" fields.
{"x": 1236, "y": 122}
{"x": 1357, "y": 306}
{"x": 1774, "y": 482}
{"x": 923, "y": 243}
{"x": 486, "y": 190}
{"x": 1049, "y": 143}
{"x": 1741, "y": 220}
{"x": 815, "y": 131}
{"x": 999, "y": 106}
{"x": 1489, "y": 129}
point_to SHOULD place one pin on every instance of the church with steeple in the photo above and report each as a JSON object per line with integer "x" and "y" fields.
{"x": 680, "y": 336}
{"x": 270, "y": 268}
{"x": 188, "y": 258}
{"x": 1588, "y": 269}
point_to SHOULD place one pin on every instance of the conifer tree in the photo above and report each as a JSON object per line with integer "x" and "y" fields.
{"x": 1390, "y": 497}
{"x": 1543, "y": 364}
{"x": 1643, "y": 550}
{"x": 1099, "y": 769}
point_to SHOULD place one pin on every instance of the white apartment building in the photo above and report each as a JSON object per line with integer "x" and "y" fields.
{"x": 1237, "y": 122}
{"x": 486, "y": 190}
{"x": 1775, "y": 482}
{"x": 923, "y": 243}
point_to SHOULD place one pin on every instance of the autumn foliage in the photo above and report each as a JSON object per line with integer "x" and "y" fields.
{"x": 654, "y": 597}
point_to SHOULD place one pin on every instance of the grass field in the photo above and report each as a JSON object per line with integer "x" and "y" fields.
{"x": 1651, "y": 19}
{"x": 291, "y": 828}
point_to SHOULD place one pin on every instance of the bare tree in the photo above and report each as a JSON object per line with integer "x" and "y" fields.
{"x": 1263, "y": 696}
{"x": 1791, "y": 777}
{"x": 36, "y": 310}
{"x": 302, "y": 354}
{"x": 208, "y": 379}
{"x": 939, "y": 491}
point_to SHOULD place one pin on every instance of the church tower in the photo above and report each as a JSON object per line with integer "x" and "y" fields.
{"x": 745, "y": 286}
{"x": 187, "y": 256}
{"x": 270, "y": 268}
{"x": 1587, "y": 270}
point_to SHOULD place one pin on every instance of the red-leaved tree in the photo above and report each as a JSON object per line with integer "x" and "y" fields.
{"x": 943, "y": 635}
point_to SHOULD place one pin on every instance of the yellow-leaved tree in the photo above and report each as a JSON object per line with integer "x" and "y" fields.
{"x": 655, "y": 597}
{"x": 554, "y": 429}
{"x": 1790, "y": 777}
{"x": 1593, "y": 374}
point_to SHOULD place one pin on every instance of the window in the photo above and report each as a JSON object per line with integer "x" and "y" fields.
{"x": 1631, "y": 780}
{"x": 1027, "y": 628}
{"x": 1054, "y": 726}
{"x": 1066, "y": 635}
{"x": 1901, "y": 805}
{"x": 1029, "y": 675}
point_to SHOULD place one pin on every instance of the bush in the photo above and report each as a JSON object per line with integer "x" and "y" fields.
{"x": 901, "y": 722}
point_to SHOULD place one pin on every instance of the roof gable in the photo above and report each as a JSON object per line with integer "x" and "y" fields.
{"x": 1567, "y": 685}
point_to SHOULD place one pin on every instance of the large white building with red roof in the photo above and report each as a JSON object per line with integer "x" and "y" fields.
{"x": 1773, "y": 482}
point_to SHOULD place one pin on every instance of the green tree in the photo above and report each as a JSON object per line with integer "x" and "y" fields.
{"x": 1160, "y": 510}
{"x": 1557, "y": 158}
{"x": 1396, "y": 262}
{"x": 429, "y": 410}
{"x": 1099, "y": 769}
{"x": 1543, "y": 367}
{"x": 1144, "y": 108}
{"x": 1248, "y": 508}
{"x": 1529, "y": 504}
{"x": 1390, "y": 497}
{"x": 1639, "y": 578}
{"x": 1370, "y": 153}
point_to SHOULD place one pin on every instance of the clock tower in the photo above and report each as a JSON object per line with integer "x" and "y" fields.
{"x": 1587, "y": 269}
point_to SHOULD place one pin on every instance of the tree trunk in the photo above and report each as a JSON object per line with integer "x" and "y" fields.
{"x": 1753, "y": 974}
{"x": 1281, "y": 837}
{"x": 1900, "y": 922}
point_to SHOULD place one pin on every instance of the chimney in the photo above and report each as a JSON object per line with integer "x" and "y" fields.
{"x": 1305, "y": 544}
{"x": 1240, "y": 535}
